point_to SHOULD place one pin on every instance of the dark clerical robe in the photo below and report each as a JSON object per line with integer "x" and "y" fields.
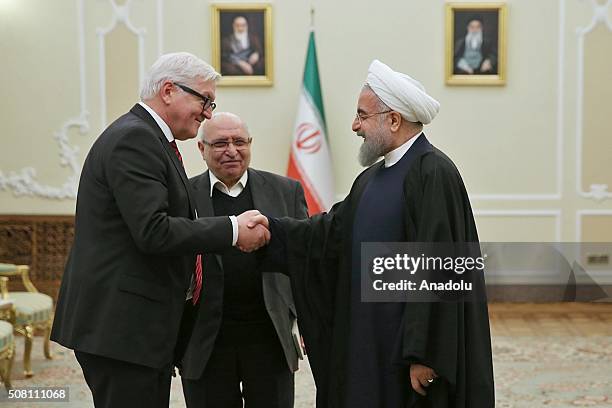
{"x": 360, "y": 353}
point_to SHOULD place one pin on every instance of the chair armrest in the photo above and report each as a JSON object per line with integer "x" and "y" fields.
{"x": 3, "y": 287}
{"x": 15, "y": 270}
{"x": 25, "y": 277}
{"x": 9, "y": 270}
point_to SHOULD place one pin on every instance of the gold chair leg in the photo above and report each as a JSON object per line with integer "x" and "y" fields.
{"x": 47, "y": 343}
{"x": 27, "y": 351}
{"x": 4, "y": 373}
{"x": 9, "y": 369}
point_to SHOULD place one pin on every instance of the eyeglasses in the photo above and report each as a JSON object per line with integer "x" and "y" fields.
{"x": 360, "y": 117}
{"x": 206, "y": 101}
{"x": 222, "y": 145}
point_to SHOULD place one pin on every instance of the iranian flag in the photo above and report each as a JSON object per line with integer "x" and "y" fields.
{"x": 310, "y": 158}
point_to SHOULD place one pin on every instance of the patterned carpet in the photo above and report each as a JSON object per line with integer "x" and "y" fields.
{"x": 529, "y": 372}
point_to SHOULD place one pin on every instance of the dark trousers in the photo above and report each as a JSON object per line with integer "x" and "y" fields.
{"x": 254, "y": 373}
{"x": 116, "y": 384}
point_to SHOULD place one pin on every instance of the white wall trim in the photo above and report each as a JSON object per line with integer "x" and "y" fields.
{"x": 514, "y": 197}
{"x": 556, "y": 213}
{"x": 121, "y": 14}
{"x": 24, "y": 182}
{"x": 597, "y": 192}
{"x": 601, "y": 276}
{"x": 581, "y": 213}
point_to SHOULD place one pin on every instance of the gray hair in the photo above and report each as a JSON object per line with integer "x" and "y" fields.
{"x": 216, "y": 115}
{"x": 181, "y": 67}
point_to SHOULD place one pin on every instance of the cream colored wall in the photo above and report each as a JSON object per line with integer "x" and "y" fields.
{"x": 503, "y": 139}
{"x": 596, "y": 228}
{"x": 597, "y": 108}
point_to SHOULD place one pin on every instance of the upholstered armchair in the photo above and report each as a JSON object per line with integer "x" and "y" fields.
{"x": 7, "y": 341}
{"x": 33, "y": 310}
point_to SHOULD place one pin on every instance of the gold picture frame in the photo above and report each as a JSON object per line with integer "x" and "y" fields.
{"x": 485, "y": 62}
{"x": 244, "y": 57}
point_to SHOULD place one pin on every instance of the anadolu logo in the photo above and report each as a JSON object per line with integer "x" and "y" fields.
{"x": 309, "y": 138}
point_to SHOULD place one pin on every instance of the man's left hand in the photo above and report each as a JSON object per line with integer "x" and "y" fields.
{"x": 421, "y": 377}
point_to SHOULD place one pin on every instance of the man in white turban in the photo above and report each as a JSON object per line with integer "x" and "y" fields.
{"x": 388, "y": 354}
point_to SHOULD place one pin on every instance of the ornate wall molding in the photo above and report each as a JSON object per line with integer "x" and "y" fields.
{"x": 597, "y": 192}
{"x": 121, "y": 14}
{"x": 580, "y": 214}
{"x": 25, "y": 182}
{"x": 555, "y": 213}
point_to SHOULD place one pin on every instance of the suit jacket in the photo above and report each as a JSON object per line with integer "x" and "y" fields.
{"x": 274, "y": 196}
{"x": 124, "y": 286}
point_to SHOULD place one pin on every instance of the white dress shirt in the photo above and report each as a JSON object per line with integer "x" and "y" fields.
{"x": 234, "y": 191}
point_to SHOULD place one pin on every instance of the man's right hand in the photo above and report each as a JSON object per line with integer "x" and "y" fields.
{"x": 252, "y": 231}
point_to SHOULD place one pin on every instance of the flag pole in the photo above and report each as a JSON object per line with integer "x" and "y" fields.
{"x": 312, "y": 13}
{"x": 309, "y": 156}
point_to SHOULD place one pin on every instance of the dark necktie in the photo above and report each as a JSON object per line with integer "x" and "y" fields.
{"x": 198, "y": 267}
{"x": 176, "y": 150}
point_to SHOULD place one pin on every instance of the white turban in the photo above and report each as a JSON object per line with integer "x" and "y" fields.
{"x": 402, "y": 93}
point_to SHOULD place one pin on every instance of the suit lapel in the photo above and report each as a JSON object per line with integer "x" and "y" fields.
{"x": 144, "y": 115}
{"x": 262, "y": 199}
{"x": 180, "y": 169}
{"x": 201, "y": 190}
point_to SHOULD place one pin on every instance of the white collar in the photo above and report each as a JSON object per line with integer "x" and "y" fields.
{"x": 160, "y": 122}
{"x": 396, "y": 154}
{"x": 236, "y": 188}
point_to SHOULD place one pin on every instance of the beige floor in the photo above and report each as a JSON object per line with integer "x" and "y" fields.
{"x": 513, "y": 327}
{"x": 551, "y": 319}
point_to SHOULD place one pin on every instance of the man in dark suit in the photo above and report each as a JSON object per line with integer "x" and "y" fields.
{"x": 134, "y": 265}
{"x": 242, "y": 348}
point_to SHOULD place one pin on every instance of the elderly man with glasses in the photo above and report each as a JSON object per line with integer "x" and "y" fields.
{"x": 242, "y": 350}
{"x": 135, "y": 267}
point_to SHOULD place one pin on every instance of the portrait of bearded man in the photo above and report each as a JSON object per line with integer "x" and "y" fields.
{"x": 241, "y": 49}
{"x": 475, "y": 51}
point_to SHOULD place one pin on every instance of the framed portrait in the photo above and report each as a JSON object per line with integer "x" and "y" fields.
{"x": 475, "y": 44}
{"x": 242, "y": 43}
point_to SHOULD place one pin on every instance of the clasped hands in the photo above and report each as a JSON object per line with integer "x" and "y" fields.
{"x": 253, "y": 232}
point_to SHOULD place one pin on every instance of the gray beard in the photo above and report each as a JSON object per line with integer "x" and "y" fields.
{"x": 242, "y": 39}
{"x": 473, "y": 40}
{"x": 372, "y": 149}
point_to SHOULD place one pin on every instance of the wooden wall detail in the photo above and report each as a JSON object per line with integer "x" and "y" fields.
{"x": 43, "y": 242}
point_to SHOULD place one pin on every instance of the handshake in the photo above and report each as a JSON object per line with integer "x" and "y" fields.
{"x": 253, "y": 232}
